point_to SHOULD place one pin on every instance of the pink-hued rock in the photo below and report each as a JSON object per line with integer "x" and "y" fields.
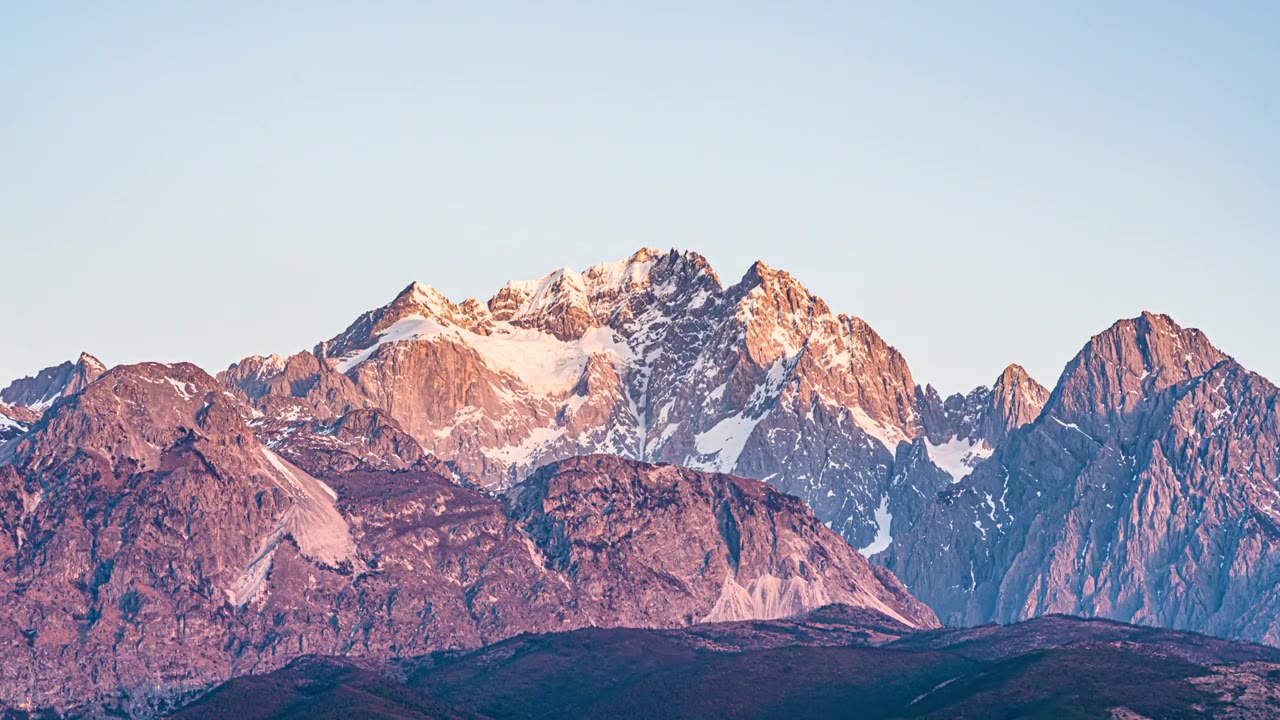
{"x": 38, "y": 392}
{"x": 1146, "y": 492}
{"x": 151, "y": 545}
{"x": 650, "y": 358}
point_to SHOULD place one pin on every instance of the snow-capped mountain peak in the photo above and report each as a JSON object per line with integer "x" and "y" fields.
{"x": 649, "y": 357}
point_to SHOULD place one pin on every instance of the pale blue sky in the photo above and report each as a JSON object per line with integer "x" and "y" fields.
{"x": 984, "y": 183}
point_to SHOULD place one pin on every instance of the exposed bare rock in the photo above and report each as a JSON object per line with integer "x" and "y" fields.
{"x": 960, "y": 433}
{"x": 962, "y": 430}
{"x": 364, "y": 439}
{"x": 20, "y": 413}
{"x": 1016, "y": 400}
{"x": 641, "y": 530}
{"x": 38, "y": 392}
{"x": 150, "y": 545}
{"x": 649, "y": 358}
{"x": 325, "y": 393}
{"x": 1146, "y": 492}
{"x": 15, "y": 420}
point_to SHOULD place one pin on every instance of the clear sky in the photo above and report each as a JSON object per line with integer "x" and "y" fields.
{"x": 984, "y": 183}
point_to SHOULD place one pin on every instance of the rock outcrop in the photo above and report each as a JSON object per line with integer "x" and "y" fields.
{"x": 15, "y": 420}
{"x": 1145, "y": 491}
{"x": 651, "y": 358}
{"x": 150, "y": 545}
{"x": 38, "y": 392}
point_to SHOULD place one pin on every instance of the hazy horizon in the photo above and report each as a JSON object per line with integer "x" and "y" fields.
{"x": 984, "y": 185}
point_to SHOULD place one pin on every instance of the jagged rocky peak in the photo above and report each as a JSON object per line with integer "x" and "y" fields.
{"x": 90, "y": 365}
{"x": 556, "y": 304}
{"x": 418, "y": 300}
{"x": 141, "y": 511}
{"x": 288, "y": 388}
{"x": 963, "y": 430}
{"x": 781, "y": 283}
{"x": 1016, "y": 399}
{"x": 566, "y": 303}
{"x": 364, "y": 439}
{"x": 1129, "y": 361}
{"x": 650, "y": 357}
{"x": 838, "y": 358}
{"x": 780, "y": 314}
{"x": 956, "y": 416}
{"x": 24, "y": 401}
{"x": 985, "y": 414}
{"x": 40, "y": 391}
{"x": 1145, "y": 491}
{"x": 129, "y": 416}
{"x": 257, "y": 375}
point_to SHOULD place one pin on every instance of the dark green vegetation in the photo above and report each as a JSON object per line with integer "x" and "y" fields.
{"x": 1053, "y": 667}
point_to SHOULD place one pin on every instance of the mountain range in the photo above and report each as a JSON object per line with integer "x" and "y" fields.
{"x": 655, "y": 359}
{"x": 153, "y": 545}
{"x": 575, "y": 452}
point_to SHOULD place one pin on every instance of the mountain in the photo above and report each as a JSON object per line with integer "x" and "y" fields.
{"x": 1145, "y": 491}
{"x": 1142, "y": 488}
{"x": 15, "y": 421}
{"x": 24, "y": 401}
{"x": 38, "y": 392}
{"x": 651, "y": 358}
{"x": 821, "y": 665}
{"x": 151, "y": 545}
{"x": 985, "y": 415}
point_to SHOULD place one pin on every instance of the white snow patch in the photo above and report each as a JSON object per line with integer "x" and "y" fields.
{"x": 45, "y": 403}
{"x": 666, "y": 434}
{"x": 519, "y": 454}
{"x": 888, "y": 435}
{"x": 573, "y": 403}
{"x": 621, "y": 275}
{"x": 539, "y": 360}
{"x": 185, "y": 389}
{"x": 1073, "y": 426}
{"x": 725, "y": 441}
{"x": 884, "y": 520}
{"x": 958, "y": 457}
{"x": 409, "y": 328}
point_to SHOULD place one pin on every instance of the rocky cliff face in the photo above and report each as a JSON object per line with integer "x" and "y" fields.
{"x": 1121, "y": 494}
{"x": 646, "y": 530}
{"x": 150, "y": 544}
{"x": 1144, "y": 492}
{"x": 38, "y": 392}
{"x": 15, "y": 420}
{"x": 651, "y": 358}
